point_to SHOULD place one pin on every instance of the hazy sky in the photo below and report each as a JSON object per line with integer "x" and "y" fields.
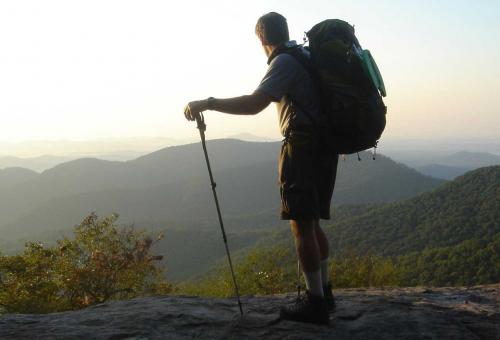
{"x": 97, "y": 69}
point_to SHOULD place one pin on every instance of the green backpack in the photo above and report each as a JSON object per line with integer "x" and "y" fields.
{"x": 350, "y": 87}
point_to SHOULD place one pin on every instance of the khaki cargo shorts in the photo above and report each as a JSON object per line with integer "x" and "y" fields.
{"x": 307, "y": 174}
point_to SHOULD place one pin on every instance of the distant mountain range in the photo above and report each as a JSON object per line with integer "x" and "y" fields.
{"x": 248, "y": 137}
{"x": 467, "y": 159}
{"x": 434, "y": 158}
{"x": 375, "y": 205}
{"x": 42, "y": 163}
{"x": 45, "y": 154}
{"x": 443, "y": 171}
{"x": 75, "y": 150}
{"x": 456, "y": 164}
{"x": 172, "y": 185}
{"x": 38, "y": 164}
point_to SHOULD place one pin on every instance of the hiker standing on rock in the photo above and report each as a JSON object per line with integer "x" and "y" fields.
{"x": 307, "y": 169}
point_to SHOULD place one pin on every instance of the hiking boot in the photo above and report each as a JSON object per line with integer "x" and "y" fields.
{"x": 329, "y": 299}
{"x": 309, "y": 308}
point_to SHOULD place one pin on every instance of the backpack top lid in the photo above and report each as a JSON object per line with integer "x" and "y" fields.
{"x": 331, "y": 29}
{"x": 342, "y": 63}
{"x": 333, "y": 44}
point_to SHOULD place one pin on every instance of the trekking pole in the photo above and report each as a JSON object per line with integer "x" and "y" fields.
{"x": 298, "y": 279}
{"x": 200, "y": 120}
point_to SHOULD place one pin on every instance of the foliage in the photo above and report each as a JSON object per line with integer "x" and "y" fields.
{"x": 363, "y": 271}
{"x": 464, "y": 209}
{"x": 273, "y": 270}
{"x": 101, "y": 263}
{"x": 30, "y": 282}
{"x": 473, "y": 262}
{"x": 262, "y": 271}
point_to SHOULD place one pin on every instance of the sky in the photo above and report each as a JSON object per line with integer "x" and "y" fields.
{"x": 78, "y": 70}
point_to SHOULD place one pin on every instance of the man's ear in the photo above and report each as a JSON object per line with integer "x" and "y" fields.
{"x": 262, "y": 39}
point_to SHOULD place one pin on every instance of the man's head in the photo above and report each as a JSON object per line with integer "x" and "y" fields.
{"x": 272, "y": 30}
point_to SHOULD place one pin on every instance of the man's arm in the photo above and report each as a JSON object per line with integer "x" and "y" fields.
{"x": 243, "y": 105}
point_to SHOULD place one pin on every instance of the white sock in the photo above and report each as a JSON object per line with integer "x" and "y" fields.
{"x": 313, "y": 283}
{"x": 324, "y": 272}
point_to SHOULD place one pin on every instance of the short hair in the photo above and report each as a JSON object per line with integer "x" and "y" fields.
{"x": 273, "y": 28}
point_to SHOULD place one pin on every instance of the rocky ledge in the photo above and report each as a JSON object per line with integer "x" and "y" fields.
{"x": 389, "y": 313}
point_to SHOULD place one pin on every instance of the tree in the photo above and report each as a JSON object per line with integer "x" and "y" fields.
{"x": 102, "y": 262}
{"x": 28, "y": 282}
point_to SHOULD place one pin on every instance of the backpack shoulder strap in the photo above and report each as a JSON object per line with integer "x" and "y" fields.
{"x": 305, "y": 62}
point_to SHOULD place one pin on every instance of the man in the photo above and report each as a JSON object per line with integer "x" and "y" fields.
{"x": 306, "y": 169}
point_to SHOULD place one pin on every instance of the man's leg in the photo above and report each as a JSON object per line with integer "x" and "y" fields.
{"x": 308, "y": 251}
{"x": 325, "y": 277}
{"x": 324, "y": 252}
{"x": 298, "y": 199}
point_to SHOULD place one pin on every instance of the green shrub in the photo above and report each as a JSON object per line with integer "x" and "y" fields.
{"x": 103, "y": 262}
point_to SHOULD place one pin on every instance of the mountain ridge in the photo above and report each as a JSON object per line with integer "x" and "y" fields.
{"x": 138, "y": 189}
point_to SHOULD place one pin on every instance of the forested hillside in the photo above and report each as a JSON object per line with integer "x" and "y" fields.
{"x": 464, "y": 209}
{"x": 450, "y": 236}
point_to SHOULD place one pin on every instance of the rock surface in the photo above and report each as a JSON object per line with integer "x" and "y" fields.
{"x": 391, "y": 313}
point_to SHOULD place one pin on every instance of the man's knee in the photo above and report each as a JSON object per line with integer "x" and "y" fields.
{"x": 302, "y": 228}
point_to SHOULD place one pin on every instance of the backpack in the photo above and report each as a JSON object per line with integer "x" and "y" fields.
{"x": 349, "y": 84}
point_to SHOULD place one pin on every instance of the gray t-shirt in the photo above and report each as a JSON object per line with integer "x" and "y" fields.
{"x": 287, "y": 81}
